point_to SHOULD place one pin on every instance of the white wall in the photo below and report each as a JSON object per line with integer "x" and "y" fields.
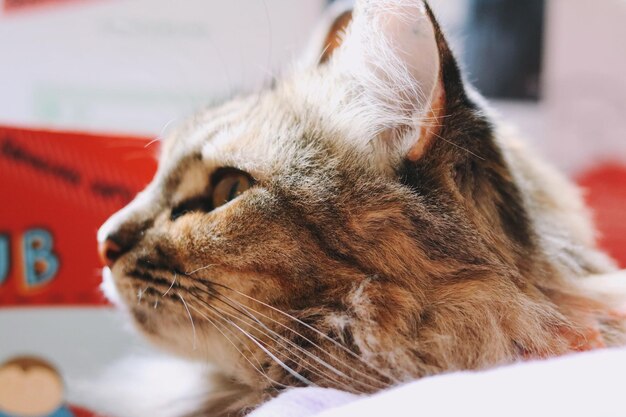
{"x": 582, "y": 116}
{"x": 134, "y": 65}
{"x": 585, "y": 82}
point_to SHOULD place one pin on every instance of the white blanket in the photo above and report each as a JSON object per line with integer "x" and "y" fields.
{"x": 589, "y": 384}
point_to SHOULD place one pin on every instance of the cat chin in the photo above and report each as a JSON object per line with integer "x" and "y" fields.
{"x": 108, "y": 288}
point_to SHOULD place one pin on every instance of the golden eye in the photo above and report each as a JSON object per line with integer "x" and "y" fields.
{"x": 229, "y": 184}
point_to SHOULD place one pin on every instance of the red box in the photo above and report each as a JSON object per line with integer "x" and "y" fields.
{"x": 56, "y": 189}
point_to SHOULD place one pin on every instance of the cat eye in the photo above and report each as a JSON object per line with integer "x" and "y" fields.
{"x": 228, "y": 184}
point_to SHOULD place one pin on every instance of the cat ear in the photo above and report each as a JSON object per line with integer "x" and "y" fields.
{"x": 402, "y": 72}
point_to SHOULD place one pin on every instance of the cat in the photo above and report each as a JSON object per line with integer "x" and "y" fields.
{"x": 363, "y": 222}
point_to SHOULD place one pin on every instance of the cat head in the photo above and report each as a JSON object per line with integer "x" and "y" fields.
{"x": 354, "y": 225}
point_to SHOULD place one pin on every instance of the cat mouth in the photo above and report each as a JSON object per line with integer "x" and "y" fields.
{"x": 146, "y": 285}
{"x": 109, "y": 289}
{"x": 142, "y": 295}
{"x": 135, "y": 288}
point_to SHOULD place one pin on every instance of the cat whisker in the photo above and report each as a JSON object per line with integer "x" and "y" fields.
{"x": 259, "y": 344}
{"x": 379, "y": 384}
{"x": 248, "y": 350}
{"x": 168, "y": 290}
{"x": 281, "y": 340}
{"x": 140, "y": 293}
{"x": 323, "y": 335}
{"x": 199, "y": 269}
{"x": 259, "y": 369}
{"x": 254, "y": 340}
{"x": 316, "y": 358}
{"x": 458, "y": 146}
{"x": 292, "y": 372}
{"x": 220, "y": 314}
{"x": 147, "y": 145}
{"x": 193, "y": 326}
{"x": 166, "y": 126}
{"x": 161, "y": 133}
{"x": 385, "y": 384}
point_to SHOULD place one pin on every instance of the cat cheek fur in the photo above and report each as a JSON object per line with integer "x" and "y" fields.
{"x": 395, "y": 230}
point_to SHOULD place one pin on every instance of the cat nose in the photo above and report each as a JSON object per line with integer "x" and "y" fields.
{"x": 109, "y": 252}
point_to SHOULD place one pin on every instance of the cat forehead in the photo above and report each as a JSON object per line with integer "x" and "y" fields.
{"x": 195, "y": 132}
{"x": 286, "y": 126}
{"x": 253, "y": 134}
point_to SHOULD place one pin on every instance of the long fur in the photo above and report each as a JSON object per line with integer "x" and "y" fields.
{"x": 395, "y": 230}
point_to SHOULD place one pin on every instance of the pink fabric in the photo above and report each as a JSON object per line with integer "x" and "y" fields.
{"x": 304, "y": 402}
{"x": 582, "y": 385}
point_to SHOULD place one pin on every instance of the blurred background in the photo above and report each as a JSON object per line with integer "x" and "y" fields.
{"x": 133, "y": 66}
{"x": 109, "y": 76}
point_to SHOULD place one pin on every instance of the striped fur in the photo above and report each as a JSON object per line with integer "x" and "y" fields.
{"x": 395, "y": 230}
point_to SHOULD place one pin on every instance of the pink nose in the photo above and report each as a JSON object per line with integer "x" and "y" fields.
{"x": 109, "y": 252}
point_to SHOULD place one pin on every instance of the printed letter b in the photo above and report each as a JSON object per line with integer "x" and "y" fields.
{"x": 40, "y": 263}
